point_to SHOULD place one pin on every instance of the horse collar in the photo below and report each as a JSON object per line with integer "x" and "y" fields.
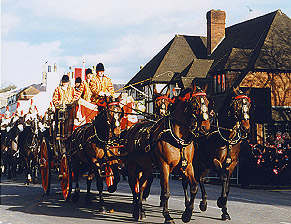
{"x": 96, "y": 136}
{"x": 181, "y": 142}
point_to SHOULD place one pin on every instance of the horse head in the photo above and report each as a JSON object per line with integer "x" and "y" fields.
{"x": 116, "y": 112}
{"x": 161, "y": 103}
{"x": 240, "y": 109}
{"x": 111, "y": 112}
{"x": 196, "y": 107}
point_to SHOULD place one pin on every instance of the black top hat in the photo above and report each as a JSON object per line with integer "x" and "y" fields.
{"x": 88, "y": 71}
{"x": 78, "y": 80}
{"x": 65, "y": 78}
{"x": 99, "y": 67}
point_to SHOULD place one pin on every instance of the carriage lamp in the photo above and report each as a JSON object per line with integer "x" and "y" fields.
{"x": 176, "y": 90}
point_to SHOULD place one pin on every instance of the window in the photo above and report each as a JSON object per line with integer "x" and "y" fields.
{"x": 219, "y": 83}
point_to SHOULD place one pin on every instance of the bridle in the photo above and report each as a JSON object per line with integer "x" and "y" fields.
{"x": 115, "y": 123}
{"x": 239, "y": 130}
{"x": 196, "y": 105}
{"x": 162, "y": 110}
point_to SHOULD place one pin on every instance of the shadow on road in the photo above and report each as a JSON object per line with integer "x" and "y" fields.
{"x": 30, "y": 199}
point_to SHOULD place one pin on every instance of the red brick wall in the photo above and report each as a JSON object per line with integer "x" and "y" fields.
{"x": 280, "y": 84}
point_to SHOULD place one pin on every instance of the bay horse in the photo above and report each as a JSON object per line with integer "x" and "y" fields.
{"x": 168, "y": 143}
{"x": 91, "y": 148}
{"x": 162, "y": 103}
{"x": 220, "y": 149}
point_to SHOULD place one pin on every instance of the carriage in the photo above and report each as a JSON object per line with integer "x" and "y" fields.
{"x": 61, "y": 145}
{"x": 189, "y": 112}
{"x": 53, "y": 153}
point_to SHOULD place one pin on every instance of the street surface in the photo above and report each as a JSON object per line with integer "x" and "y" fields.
{"x": 22, "y": 204}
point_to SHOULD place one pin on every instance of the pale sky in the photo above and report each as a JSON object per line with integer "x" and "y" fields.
{"x": 121, "y": 34}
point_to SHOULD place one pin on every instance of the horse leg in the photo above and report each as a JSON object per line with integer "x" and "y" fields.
{"x": 76, "y": 195}
{"x": 99, "y": 183}
{"x": 133, "y": 184}
{"x": 165, "y": 192}
{"x": 147, "y": 189}
{"x": 143, "y": 183}
{"x": 35, "y": 171}
{"x": 89, "y": 182}
{"x": 9, "y": 164}
{"x": 222, "y": 200}
{"x": 187, "y": 214}
{"x": 203, "y": 202}
{"x": 26, "y": 170}
{"x": 30, "y": 165}
{"x": 185, "y": 183}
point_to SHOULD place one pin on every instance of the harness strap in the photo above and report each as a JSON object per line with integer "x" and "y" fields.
{"x": 184, "y": 162}
{"x": 96, "y": 136}
{"x": 243, "y": 97}
{"x": 166, "y": 98}
{"x": 179, "y": 141}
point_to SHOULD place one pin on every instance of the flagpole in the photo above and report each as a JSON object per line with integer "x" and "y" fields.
{"x": 83, "y": 68}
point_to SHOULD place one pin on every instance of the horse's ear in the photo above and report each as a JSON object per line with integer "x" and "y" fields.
{"x": 119, "y": 97}
{"x": 155, "y": 90}
{"x": 194, "y": 87}
{"x": 205, "y": 88}
{"x": 168, "y": 92}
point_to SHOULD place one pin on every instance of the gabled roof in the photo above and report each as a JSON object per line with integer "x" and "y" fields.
{"x": 259, "y": 44}
{"x": 173, "y": 58}
{"x": 253, "y": 39}
{"x": 198, "y": 69}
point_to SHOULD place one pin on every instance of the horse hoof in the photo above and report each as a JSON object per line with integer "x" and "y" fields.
{"x": 75, "y": 197}
{"x": 186, "y": 217}
{"x": 112, "y": 188}
{"x": 169, "y": 221}
{"x": 221, "y": 201}
{"x": 102, "y": 210}
{"x": 203, "y": 206}
{"x": 35, "y": 181}
{"x": 142, "y": 215}
{"x": 135, "y": 214}
{"x": 225, "y": 216}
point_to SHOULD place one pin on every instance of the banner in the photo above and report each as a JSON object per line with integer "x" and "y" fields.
{"x": 78, "y": 73}
{"x": 85, "y": 112}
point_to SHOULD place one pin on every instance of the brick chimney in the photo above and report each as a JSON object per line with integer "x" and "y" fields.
{"x": 215, "y": 29}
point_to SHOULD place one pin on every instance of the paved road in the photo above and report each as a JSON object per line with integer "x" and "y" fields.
{"x": 22, "y": 204}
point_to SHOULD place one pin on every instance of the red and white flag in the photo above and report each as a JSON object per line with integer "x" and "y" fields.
{"x": 85, "y": 112}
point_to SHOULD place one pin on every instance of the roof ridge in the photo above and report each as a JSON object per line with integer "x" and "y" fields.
{"x": 256, "y": 18}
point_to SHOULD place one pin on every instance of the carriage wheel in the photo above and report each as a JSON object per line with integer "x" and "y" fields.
{"x": 45, "y": 168}
{"x": 65, "y": 177}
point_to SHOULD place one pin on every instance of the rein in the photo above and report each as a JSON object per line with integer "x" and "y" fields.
{"x": 189, "y": 95}
{"x": 176, "y": 138}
